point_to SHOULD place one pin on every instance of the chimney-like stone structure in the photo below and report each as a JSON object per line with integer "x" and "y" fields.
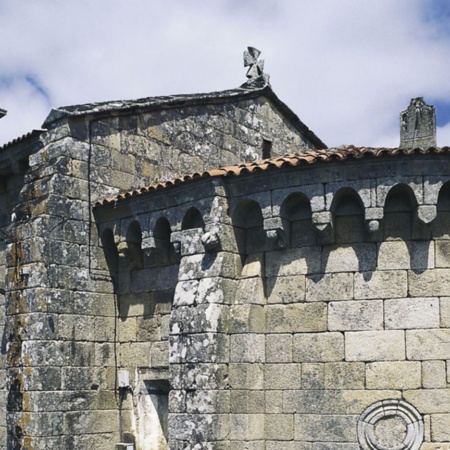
{"x": 418, "y": 125}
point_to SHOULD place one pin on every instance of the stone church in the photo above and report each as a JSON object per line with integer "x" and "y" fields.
{"x": 200, "y": 272}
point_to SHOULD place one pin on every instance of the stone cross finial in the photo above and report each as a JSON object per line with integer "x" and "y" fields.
{"x": 255, "y": 73}
{"x": 418, "y": 125}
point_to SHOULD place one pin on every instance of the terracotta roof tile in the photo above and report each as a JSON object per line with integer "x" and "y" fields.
{"x": 292, "y": 160}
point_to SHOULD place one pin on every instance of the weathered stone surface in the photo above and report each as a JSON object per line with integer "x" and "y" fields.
{"x": 283, "y": 376}
{"x": 381, "y": 284}
{"x": 332, "y": 428}
{"x": 410, "y": 313}
{"x": 278, "y": 348}
{"x": 334, "y": 286}
{"x": 318, "y": 347}
{"x": 434, "y": 374}
{"x": 394, "y": 375}
{"x": 296, "y": 318}
{"x": 355, "y": 315}
{"x": 375, "y": 345}
{"x": 428, "y": 344}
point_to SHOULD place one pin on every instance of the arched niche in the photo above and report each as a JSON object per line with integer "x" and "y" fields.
{"x": 192, "y": 219}
{"x": 399, "y": 210}
{"x": 348, "y": 213}
{"x": 248, "y": 228}
{"x": 441, "y": 225}
{"x": 297, "y": 222}
{"x": 134, "y": 245}
{"x": 162, "y": 253}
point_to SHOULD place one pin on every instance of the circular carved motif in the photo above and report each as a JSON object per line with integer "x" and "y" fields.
{"x": 390, "y": 425}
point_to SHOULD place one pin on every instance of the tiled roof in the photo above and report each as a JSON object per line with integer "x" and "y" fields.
{"x": 29, "y": 135}
{"x": 306, "y": 157}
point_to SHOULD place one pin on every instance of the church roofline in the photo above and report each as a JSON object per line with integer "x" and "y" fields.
{"x": 281, "y": 162}
{"x": 174, "y": 101}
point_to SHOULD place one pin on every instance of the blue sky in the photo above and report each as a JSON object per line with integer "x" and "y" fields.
{"x": 346, "y": 67}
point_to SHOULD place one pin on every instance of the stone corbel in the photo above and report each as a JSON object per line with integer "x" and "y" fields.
{"x": 426, "y": 213}
{"x": 211, "y": 241}
{"x": 278, "y": 238}
{"x": 323, "y": 221}
{"x": 373, "y": 217}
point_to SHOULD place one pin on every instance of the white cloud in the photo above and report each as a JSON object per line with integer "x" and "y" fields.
{"x": 346, "y": 68}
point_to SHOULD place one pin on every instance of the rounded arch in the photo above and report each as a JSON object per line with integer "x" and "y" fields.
{"x": 347, "y": 202}
{"x": 134, "y": 244}
{"x": 400, "y": 198}
{"x": 441, "y": 225}
{"x": 296, "y": 215}
{"x": 163, "y": 246}
{"x": 247, "y": 221}
{"x": 443, "y": 203}
{"x": 348, "y": 215}
{"x": 296, "y": 206}
{"x": 192, "y": 219}
{"x": 399, "y": 206}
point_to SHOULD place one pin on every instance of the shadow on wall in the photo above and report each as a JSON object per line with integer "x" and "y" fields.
{"x": 402, "y": 241}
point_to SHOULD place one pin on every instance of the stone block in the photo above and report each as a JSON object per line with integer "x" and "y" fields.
{"x": 445, "y": 312}
{"x": 136, "y": 354}
{"x": 248, "y": 348}
{"x": 355, "y": 315}
{"x": 381, "y": 284}
{"x": 246, "y": 402}
{"x": 273, "y": 402}
{"x": 349, "y": 258}
{"x": 394, "y": 375}
{"x": 209, "y": 265}
{"x": 247, "y": 426}
{"x": 285, "y": 289}
{"x": 279, "y": 427}
{"x": 250, "y": 291}
{"x": 313, "y": 376}
{"x": 343, "y": 401}
{"x": 331, "y": 428}
{"x": 283, "y": 376}
{"x": 333, "y": 286}
{"x": 208, "y": 402}
{"x": 246, "y": 319}
{"x": 344, "y": 375}
{"x": 434, "y": 374}
{"x": 278, "y": 348}
{"x": 375, "y": 345}
{"x": 335, "y": 446}
{"x": 186, "y": 293}
{"x": 296, "y": 318}
{"x": 428, "y": 344}
{"x": 398, "y": 255}
{"x": 408, "y": 313}
{"x": 430, "y": 283}
{"x": 318, "y": 347}
{"x": 296, "y": 261}
{"x": 442, "y": 253}
{"x": 246, "y": 376}
{"x": 429, "y": 401}
{"x": 440, "y": 424}
{"x": 292, "y": 445}
{"x": 159, "y": 354}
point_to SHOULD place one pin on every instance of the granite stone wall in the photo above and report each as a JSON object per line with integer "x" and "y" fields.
{"x": 74, "y": 315}
{"x": 309, "y": 306}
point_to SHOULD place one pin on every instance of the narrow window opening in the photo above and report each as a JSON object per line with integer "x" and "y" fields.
{"x": 266, "y": 149}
